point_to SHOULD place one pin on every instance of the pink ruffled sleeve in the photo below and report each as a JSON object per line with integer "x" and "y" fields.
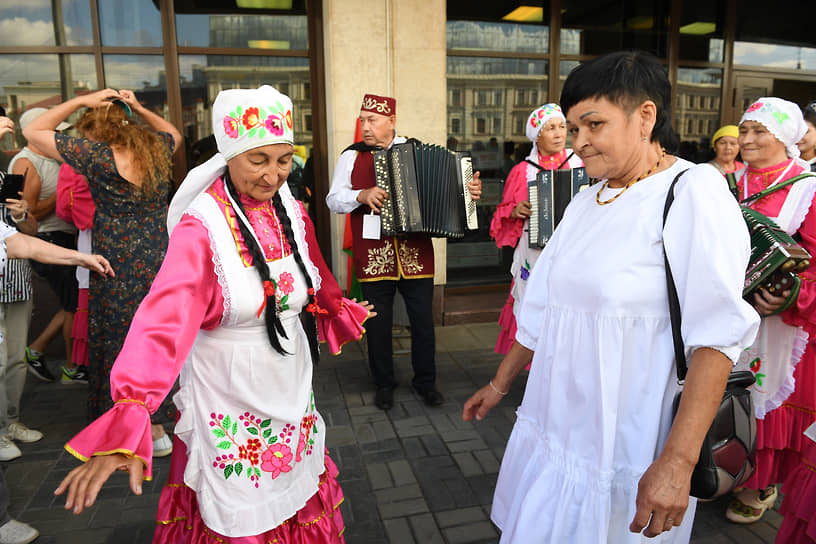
{"x": 343, "y": 321}
{"x": 803, "y": 313}
{"x": 74, "y": 202}
{"x": 504, "y": 229}
{"x": 184, "y": 298}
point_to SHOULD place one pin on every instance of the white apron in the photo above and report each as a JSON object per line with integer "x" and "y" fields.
{"x": 254, "y": 438}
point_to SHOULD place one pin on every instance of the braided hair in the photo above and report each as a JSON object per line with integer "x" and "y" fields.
{"x": 274, "y": 327}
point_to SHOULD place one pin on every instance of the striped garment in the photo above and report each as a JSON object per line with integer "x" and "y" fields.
{"x": 15, "y": 279}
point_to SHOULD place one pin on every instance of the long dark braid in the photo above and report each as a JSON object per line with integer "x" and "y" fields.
{"x": 274, "y": 327}
{"x": 309, "y": 321}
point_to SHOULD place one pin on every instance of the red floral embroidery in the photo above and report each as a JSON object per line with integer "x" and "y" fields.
{"x": 251, "y": 118}
{"x": 274, "y": 124}
{"x": 286, "y": 282}
{"x": 277, "y": 459}
{"x": 231, "y": 126}
{"x": 755, "y": 106}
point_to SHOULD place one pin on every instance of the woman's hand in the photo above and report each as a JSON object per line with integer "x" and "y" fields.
{"x": 6, "y": 125}
{"x": 766, "y": 303}
{"x": 522, "y": 210}
{"x": 367, "y": 305}
{"x": 99, "y": 98}
{"x": 96, "y": 263}
{"x": 18, "y": 208}
{"x": 663, "y": 496}
{"x": 84, "y": 483}
{"x": 475, "y": 186}
{"x": 481, "y": 403}
{"x": 129, "y": 98}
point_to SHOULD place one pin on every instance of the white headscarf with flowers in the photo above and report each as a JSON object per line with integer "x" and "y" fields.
{"x": 244, "y": 119}
{"x": 536, "y": 122}
{"x": 783, "y": 119}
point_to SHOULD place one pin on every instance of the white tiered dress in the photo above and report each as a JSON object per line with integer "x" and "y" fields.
{"x": 597, "y": 406}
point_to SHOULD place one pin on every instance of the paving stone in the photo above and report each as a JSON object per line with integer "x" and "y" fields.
{"x": 474, "y": 532}
{"x": 401, "y": 473}
{"x": 396, "y": 494}
{"x": 460, "y": 516}
{"x": 398, "y": 530}
{"x": 466, "y": 445}
{"x": 487, "y": 460}
{"x": 379, "y": 475}
{"x": 383, "y": 430}
{"x": 402, "y": 508}
{"x": 434, "y": 445}
{"x": 467, "y": 464}
{"x": 425, "y": 529}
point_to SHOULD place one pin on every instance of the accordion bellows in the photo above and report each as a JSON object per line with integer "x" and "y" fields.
{"x": 427, "y": 190}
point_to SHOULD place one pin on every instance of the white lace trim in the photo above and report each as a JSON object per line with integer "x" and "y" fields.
{"x": 294, "y": 211}
{"x": 219, "y": 269}
{"x": 808, "y": 189}
{"x": 800, "y": 341}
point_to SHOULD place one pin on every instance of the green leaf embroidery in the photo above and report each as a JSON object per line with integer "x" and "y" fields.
{"x": 252, "y": 430}
{"x": 314, "y": 429}
{"x": 257, "y": 472}
{"x": 273, "y": 439}
{"x": 253, "y": 131}
{"x": 227, "y": 421}
{"x": 284, "y": 300}
{"x": 266, "y": 423}
{"x": 218, "y": 432}
{"x": 261, "y": 132}
{"x": 238, "y": 468}
{"x": 267, "y": 432}
{"x": 227, "y": 471}
{"x": 225, "y": 445}
{"x": 240, "y": 129}
{"x": 262, "y": 112}
{"x": 234, "y": 427}
{"x": 234, "y": 114}
{"x": 249, "y": 473}
{"x": 240, "y": 110}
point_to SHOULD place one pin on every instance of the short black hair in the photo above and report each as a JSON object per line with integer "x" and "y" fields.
{"x": 810, "y": 112}
{"x": 627, "y": 78}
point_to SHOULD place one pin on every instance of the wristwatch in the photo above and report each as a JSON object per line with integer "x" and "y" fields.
{"x": 21, "y": 219}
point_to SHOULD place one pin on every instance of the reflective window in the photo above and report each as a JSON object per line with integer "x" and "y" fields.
{"x": 32, "y": 23}
{"x": 696, "y": 112}
{"x": 490, "y": 36}
{"x": 204, "y": 76}
{"x": 28, "y": 81}
{"x": 775, "y": 56}
{"x": 129, "y": 23}
{"x": 701, "y": 30}
{"x": 596, "y": 27}
{"x": 135, "y": 72}
{"x": 243, "y": 31}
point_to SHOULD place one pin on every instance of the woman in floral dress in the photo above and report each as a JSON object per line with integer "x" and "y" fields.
{"x": 249, "y": 463}
{"x": 128, "y": 167}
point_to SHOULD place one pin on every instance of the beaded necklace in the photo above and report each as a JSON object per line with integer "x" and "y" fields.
{"x": 646, "y": 175}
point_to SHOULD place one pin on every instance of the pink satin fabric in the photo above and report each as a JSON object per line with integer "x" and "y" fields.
{"x": 186, "y": 297}
{"x": 74, "y": 202}
{"x": 179, "y": 521}
{"x": 79, "y": 330}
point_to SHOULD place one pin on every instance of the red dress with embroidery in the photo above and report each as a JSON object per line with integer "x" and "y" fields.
{"x": 198, "y": 300}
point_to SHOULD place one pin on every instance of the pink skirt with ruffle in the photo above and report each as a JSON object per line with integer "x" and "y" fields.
{"x": 179, "y": 521}
{"x": 507, "y": 326}
{"x": 799, "y": 504}
{"x": 779, "y": 436}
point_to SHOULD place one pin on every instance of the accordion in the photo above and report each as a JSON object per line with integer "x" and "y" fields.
{"x": 776, "y": 258}
{"x": 549, "y": 195}
{"x": 427, "y": 190}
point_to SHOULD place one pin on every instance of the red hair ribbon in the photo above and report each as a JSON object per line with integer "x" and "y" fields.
{"x": 269, "y": 291}
{"x": 312, "y": 307}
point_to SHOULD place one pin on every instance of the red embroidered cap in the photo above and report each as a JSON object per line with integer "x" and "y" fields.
{"x": 384, "y": 105}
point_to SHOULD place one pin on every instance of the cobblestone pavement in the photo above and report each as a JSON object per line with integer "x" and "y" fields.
{"x": 414, "y": 474}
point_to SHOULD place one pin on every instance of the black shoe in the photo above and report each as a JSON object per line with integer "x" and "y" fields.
{"x": 430, "y": 395}
{"x": 384, "y": 398}
{"x": 36, "y": 365}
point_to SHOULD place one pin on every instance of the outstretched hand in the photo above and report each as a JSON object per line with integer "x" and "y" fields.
{"x": 367, "y": 305}
{"x": 480, "y": 403}
{"x": 97, "y": 263}
{"x": 84, "y": 482}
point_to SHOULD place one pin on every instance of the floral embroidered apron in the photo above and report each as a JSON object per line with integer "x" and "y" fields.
{"x": 254, "y": 438}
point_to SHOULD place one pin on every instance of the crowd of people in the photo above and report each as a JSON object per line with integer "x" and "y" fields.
{"x": 211, "y": 300}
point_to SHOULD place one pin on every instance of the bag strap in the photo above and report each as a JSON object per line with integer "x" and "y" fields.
{"x": 732, "y": 184}
{"x": 534, "y": 164}
{"x": 674, "y": 301}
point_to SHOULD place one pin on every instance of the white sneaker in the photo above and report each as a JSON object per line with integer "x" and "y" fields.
{"x": 8, "y": 450}
{"x": 15, "y": 532}
{"x": 162, "y": 447}
{"x": 18, "y": 431}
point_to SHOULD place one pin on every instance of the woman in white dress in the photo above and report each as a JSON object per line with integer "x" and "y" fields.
{"x": 594, "y": 455}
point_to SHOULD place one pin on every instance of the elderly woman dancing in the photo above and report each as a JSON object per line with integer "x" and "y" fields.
{"x": 248, "y": 461}
{"x": 594, "y": 455}
{"x": 547, "y": 130}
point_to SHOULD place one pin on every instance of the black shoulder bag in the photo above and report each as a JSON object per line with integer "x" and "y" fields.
{"x": 727, "y": 457}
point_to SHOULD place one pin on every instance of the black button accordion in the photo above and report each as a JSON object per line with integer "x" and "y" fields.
{"x": 427, "y": 190}
{"x": 549, "y": 195}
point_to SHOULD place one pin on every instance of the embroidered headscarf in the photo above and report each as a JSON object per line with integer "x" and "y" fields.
{"x": 536, "y": 122}
{"x": 783, "y": 119}
{"x": 725, "y": 130}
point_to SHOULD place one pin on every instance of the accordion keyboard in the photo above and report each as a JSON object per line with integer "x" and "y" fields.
{"x": 532, "y": 223}
{"x": 471, "y": 221}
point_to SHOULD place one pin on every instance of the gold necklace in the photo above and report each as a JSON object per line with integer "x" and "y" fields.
{"x": 646, "y": 175}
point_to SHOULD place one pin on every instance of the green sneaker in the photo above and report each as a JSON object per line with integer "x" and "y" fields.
{"x": 77, "y": 374}
{"x": 36, "y": 365}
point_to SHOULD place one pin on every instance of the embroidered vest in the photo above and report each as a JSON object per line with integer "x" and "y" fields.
{"x": 409, "y": 257}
